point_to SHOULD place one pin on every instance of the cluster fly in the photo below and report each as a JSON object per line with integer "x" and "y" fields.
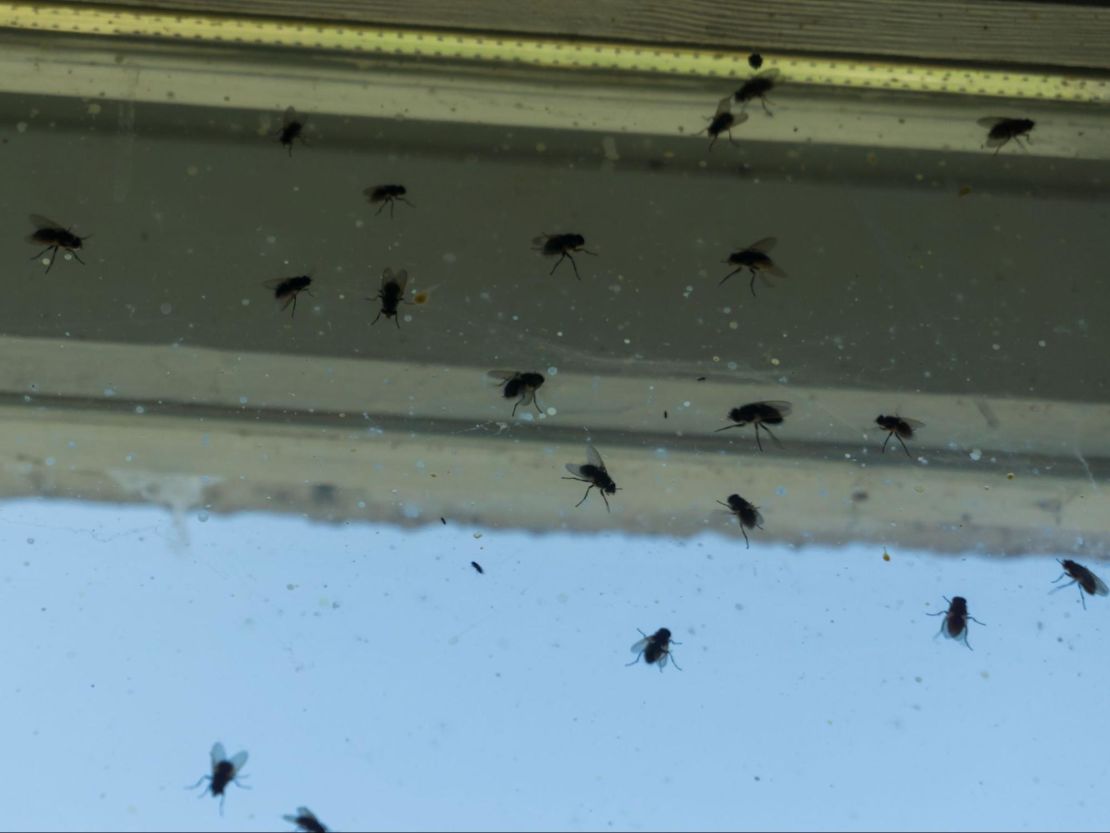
{"x": 1002, "y": 130}
{"x": 655, "y": 649}
{"x": 54, "y": 236}
{"x": 519, "y": 385}
{"x": 901, "y": 427}
{"x": 1088, "y": 582}
{"x": 286, "y": 290}
{"x": 563, "y": 245}
{"x": 723, "y": 121}
{"x": 954, "y": 625}
{"x": 292, "y": 129}
{"x": 392, "y": 295}
{"x": 224, "y": 771}
{"x": 306, "y": 821}
{"x": 746, "y": 513}
{"x": 757, "y": 87}
{"x": 594, "y": 473}
{"x": 756, "y": 260}
{"x": 759, "y": 414}
{"x": 386, "y": 195}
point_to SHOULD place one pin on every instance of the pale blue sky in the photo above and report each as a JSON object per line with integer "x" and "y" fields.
{"x": 376, "y": 678}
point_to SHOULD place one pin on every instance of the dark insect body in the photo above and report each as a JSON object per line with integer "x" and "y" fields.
{"x": 746, "y": 513}
{"x": 1002, "y": 130}
{"x": 519, "y": 385}
{"x": 954, "y": 625}
{"x": 655, "y": 649}
{"x": 723, "y": 121}
{"x": 1088, "y": 582}
{"x": 758, "y": 87}
{"x": 563, "y": 245}
{"x": 386, "y": 195}
{"x": 306, "y": 821}
{"x": 54, "y": 236}
{"x": 224, "y": 771}
{"x": 900, "y": 427}
{"x": 287, "y": 290}
{"x": 594, "y": 473}
{"x": 292, "y": 129}
{"x": 759, "y": 414}
{"x": 756, "y": 260}
{"x": 755, "y": 60}
{"x": 391, "y": 295}
{"x": 477, "y": 567}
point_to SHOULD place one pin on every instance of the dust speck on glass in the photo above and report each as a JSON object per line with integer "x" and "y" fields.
{"x": 238, "y": 511}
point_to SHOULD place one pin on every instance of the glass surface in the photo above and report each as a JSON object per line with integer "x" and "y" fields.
{"x": 229, "y": 522}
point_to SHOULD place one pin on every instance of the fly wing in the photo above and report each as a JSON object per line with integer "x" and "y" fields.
{"x": 783, "y": 408}
{"x": 770, "y": 75}
{"x": 372, "y": 193}
{"x": 763, "y": 246}
{"x": 913, "y": 423}
{"x": 40, "y": 222}
{"x": 758, "y": 518}
{"x": 663, "y": 657}
{"x": 238, "y": 760}
{"x": 290, "y": 116}
{"x": 502, "y": 375}
{"x": 991, "y": 122}
{"x": 593, "y": 458}
{"x": 274, "y": 283}
{"x": 400, "y": 278}
{"x": 218, "y": 754}
{"x": 641, "y": 645}
{"x": 1100, "y": 586}
{"x": 724, "y": 106}
{"x": 576, "y": 470}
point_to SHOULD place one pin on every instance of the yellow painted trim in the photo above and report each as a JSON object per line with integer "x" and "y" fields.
{"x": 547, "y": 53}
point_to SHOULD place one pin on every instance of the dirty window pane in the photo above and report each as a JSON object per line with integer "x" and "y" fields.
{"x": 369, "y": 436}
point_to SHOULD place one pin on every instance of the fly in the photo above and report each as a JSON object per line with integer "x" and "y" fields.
{"x": 1088, "y": 582}
{"x": 746, "y": 513}
{"x": 757, "y": 87}
{"x": 477, "y": 567}
{"x": 723, "y": 121}
{"x": 759, "y": 414}
{"x": 595, "y": 474}
{"x": 756, "y": 260}
{"x": 550, "y": 245}
{"x": 954, "y": 625}
{"x": 306, "y": 821}
{"x": 286, "y": 290}
{"x": 292, "y": 129}
{"x": 386, "y": 195}
{"x": 755, "y": 60}
{"x": 54, "y": 236}
{"x": 1002, "y": 130}
{"x": 224, "y": 771}
{"x": 900, "y": 427}
{"x": 519, "y": 385}
{"x": 655, "y": 649}
{"x": 391, "y": 294}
